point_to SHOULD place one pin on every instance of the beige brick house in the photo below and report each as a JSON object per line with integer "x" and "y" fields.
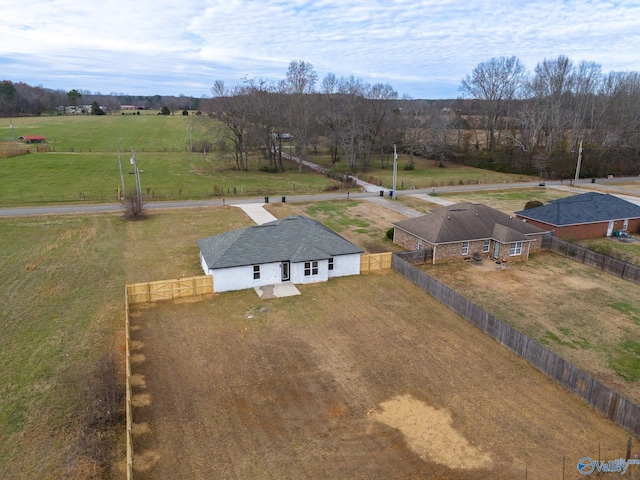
{"x": 463, "y": 230}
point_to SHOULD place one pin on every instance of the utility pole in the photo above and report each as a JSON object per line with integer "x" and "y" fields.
{"x": 121, "y": 177}
{"x": 395, "y": 171}
{"x": 137, "y": 172}
{"x": 575, "y": 180}
{"x": 13, "y": 134}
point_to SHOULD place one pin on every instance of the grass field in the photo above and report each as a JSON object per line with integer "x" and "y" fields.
{"x": 83, "y": 164}
{"x": 61, "y": 306}
{"x": 363, "y": 377}
{"x": 507, "y": 200}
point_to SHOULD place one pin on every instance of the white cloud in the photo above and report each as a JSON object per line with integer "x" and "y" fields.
{"x": 421, "y": 48}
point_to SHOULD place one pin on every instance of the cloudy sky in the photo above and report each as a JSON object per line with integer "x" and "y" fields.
{"x": 422, "y": 48}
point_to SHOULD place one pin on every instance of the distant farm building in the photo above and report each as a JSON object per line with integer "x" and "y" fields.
{"x": 32, "y": 138}
{"x": 131, "y": 107}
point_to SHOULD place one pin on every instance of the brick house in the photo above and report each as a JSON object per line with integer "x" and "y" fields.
{"x": 459, "y": 231}
{"x": 588, "y": 215}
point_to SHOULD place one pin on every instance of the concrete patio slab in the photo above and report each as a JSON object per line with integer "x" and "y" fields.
{"x": 279, "y": 290}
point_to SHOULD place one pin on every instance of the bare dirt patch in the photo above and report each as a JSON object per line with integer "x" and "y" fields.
{"x": 361, "y": 377}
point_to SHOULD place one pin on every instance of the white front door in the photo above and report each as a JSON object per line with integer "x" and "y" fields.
{"x": 610, "y": 229}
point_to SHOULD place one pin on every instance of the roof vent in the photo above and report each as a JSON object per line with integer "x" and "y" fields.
{"x": 448, "y": 218}
{"x": 477, "y": 214}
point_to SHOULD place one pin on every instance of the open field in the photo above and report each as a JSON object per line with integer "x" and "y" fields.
{"x": 64, "y": 177}
{"x": 508, "y": 200}
{"x": 61, "y": 308}
{"x": 588, "y": 317}
{"x": 83, "y": 165}
{"x": 359, "y": 377}
{"x": 426, "y": 173}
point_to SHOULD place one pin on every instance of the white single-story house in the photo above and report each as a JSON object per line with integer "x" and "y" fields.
{"x": 295, "y": 249}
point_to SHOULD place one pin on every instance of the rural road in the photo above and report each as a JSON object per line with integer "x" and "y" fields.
{"x": 116, "y": 207}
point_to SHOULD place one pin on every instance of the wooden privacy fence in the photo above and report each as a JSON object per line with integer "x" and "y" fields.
{"x": 169, "y": 289}
{"x": 129, "y": 413}
{"x": 611, "y": 404}
{"x": 616, "y": 267}
{"x": 375, "y": 261}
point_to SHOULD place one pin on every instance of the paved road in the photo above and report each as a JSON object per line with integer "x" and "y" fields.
{"x": 115, "y": 207}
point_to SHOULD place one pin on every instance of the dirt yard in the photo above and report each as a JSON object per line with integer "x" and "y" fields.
{"x": 587, "y": 316}
{"x": 363, "y": 377}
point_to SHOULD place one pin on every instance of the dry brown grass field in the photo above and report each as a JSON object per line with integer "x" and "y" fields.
{"x": 362, "y": 377}
{"x": 587, "y": 316}
{"x": 63, "y": 279}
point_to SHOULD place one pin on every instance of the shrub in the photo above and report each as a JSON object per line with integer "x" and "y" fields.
{"x": 133, "y": 206}
{"x": 390, "y": 233}
{"x": 533, "y": 204}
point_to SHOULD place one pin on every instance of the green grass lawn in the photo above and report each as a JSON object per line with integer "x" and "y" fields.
{"x": 611, "y": 246}
{"x": 507, "y": 200}
{"x": 95, "y": 177}
{"x": 426, "y": 173}
{"x": 83, "y": 164}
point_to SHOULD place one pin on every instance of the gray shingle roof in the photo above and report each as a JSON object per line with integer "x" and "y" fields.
{"x": 589, "y": 207}
{"x": 466, "y": 222}
{"x": 296, "y": 239}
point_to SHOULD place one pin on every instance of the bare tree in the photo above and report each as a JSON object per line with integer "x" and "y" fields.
{"x": 494, "y": 84}
{"x": 233, "y": 108}
{"x": 301, "y": 77}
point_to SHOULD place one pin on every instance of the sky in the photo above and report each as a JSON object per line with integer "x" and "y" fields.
{"x": 423, "y": 49}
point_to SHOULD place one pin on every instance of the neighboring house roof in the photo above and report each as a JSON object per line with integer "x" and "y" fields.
{"x": 295, "y": 239}
{"x": 32, "y": 138}
{"x": 464, "y": 222}
{"x": 589, "y": 207}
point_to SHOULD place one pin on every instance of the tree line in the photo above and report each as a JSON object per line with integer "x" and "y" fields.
{"x": 506, "y": 118}
{"x": 17, "y": 99}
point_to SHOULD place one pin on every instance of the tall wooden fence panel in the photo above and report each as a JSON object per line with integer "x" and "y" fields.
{"x": 128, "y": 411}
{"x": 611, "y": 265}
{"x": 375, "y": 261}
{"x": 169, "y": 289}
{"x": 610, "y": 403}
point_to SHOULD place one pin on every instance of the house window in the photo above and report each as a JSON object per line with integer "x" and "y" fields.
{"x": 310, "y": 268}
{"x": 515, "y": 249}
{"x": 331, "y": 264}
{"x": 256, "y": 272}
{"x": 419, "y": 244}
{"x": 486, "y": 246}
{"x": 465, "y": 248}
